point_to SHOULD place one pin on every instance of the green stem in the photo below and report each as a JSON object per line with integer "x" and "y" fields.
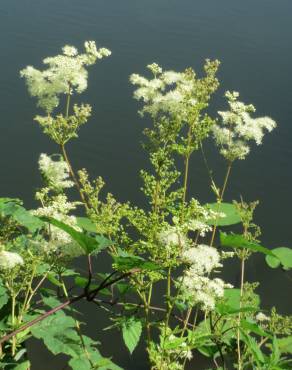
{"x": 78, "y": 329}
{"x": 220, "y": 199}
{"x": 68, "y": 103}
{"x": 168, "y": 314}
{"x": 13, "y": 348}
{"x": 239, "y": 314}
{"x": 187, "y": 164}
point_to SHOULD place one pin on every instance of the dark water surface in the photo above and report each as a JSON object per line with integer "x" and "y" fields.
{"x": 252, "y": 38}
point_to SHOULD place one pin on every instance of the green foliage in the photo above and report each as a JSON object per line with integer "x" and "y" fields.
{"x": 86, "y": 242}
{"x": 13, "y": 208}
{"x": 283, "y": 257}
{"x": 165, "y": 250}
{"x": 131, "y": 329}
{"x": 127, "y": 261}
{"x": 239, "y": 241}
{"x": 231, "y": 215}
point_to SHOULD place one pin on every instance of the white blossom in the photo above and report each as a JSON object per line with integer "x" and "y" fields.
{"x": 196, "y": 284}
{"x": 168, "y": 92}
{"x": 70, "y": 51}
{"x": 238, "y": 128}
{"x": 203, "y": 290}
{"x": 56, "y": 173}
{"x": 154, "y": 68}
{"x": 66, "y": 73}
{"x": 200, "y": 226}
{"x": 8, "y": 260}
{"x": 172, "y": 237}
{"x": 203, "y": 259}
{"x": 262, "y": 317}
{"x": 59, "y": 241}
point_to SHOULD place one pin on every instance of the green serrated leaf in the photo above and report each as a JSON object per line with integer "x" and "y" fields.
{"x": 86, "y": 242}
{"x": 57, "y": 332}
{"x": 13, "y": 208}
{"x": 285, "y": 344}
{"x": 131, "y": 329}
{"x": 253, "y": 327}
{"x": 127, "y": 261}
{"x": 231, "y": 303}
{"x": 253, "y": 347}
{"x": 232, "y": 216}
{"x": 238, "y": 241}
{"x": 86, "y": 224}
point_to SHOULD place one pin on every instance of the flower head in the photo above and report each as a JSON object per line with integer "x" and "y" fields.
{"x": 56, "y": 173}
{"x": 66, "y": 73}
{"x": 9, "y": 260}
{"x": 238, "y": 128}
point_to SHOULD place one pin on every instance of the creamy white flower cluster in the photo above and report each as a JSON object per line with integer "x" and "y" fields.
{"x": 56, "y": 173}
{"x": 238, "y": 128}
{"x": 198, "y": 288}
{"x": 261, "y": 317}
{"x": 66, "y": 73}
{"x": 59, "y": 241}
{"x": 9, "y": 260}
{"x": 172, "y": 237}
{"x": 166, "y": 92}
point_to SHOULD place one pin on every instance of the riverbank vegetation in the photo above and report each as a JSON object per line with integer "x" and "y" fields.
{"x": 174, "y": 249}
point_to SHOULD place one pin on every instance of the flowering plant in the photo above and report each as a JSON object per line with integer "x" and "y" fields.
{"x": 172, "y": 245}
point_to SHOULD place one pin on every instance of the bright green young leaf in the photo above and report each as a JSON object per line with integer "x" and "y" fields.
{"x": 86, "y": 224}
{"x": 231, "y": 214}
{"x": 23, "y": 366}
{"x": 231, "y": 303}
{"x": 283, "y": 257}
{"x": 131, "y": 329}
{"x": 80, "y": 363}
{"x": 86, "y": 242}
{"x": 253, "y": 347}
{"x": 285, "y": 344}
{"x": 238, "y": 241}
{"x": 253, "y": 327}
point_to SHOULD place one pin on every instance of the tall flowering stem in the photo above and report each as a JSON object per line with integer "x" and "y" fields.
{"x": 219, "y": 200}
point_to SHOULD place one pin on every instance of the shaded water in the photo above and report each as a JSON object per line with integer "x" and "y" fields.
{"x": 253, "y": 41}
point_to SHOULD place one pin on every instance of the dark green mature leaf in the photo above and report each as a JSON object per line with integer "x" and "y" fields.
{"x": 283, "y": 257}
{"x": 86, "y": 242}
{"x": 127, "y": 261}
{"x": 57, "y": 332}
{"x": 13, "y": 208}
{"x": 131, "y": 329}
{"x": 232, "y": 216}
{"x": 238, "y": 241}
